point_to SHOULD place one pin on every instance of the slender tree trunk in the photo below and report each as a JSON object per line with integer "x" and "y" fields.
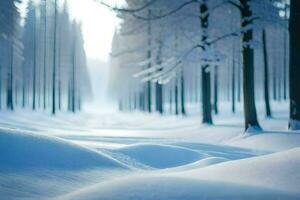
{"x": 54, "y": 63}
{"x": 149, "y": 55}
{"x": 266, "y": 75}
{"x": 248, "y": 68}
{"x": 206, "y": 95}
{"x": 45, "y": 58}
{"x": 285, "y": 46}
{"x": 10, "y": 102}
{"x": 34, "y": 65}
{"x": 216, "y": 71}
{"x": 176, "y": 98}
{"x": 182, "y": 93}
{"x": 59, "y": 74}
{"x": 170, "y": 99}
{"x": 233, "y": 80}
{"x": 158, "y": 87}
{"x": 275, "y": 72}
{"x": 206, "y": 90}
{"x": 239, "y": 92}
{"x": 73, "y": 74}
{"x": 294, "y": 122}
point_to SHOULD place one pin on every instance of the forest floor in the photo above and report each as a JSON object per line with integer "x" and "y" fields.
{"x": 146, "y": 156}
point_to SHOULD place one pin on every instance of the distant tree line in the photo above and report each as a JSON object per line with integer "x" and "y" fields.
{"x": 42, "y": 60}
{"x": 169, "y": 54}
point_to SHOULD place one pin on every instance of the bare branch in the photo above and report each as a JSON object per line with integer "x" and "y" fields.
{"x": 128, "y": 10}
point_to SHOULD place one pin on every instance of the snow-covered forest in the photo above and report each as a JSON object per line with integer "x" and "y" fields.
{"x": 202, "y": 99}
{"x": 43, "y": 62}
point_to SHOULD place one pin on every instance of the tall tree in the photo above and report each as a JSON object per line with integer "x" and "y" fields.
{"x": 248, "y": 66}
{"x": 294, "y": 73}
{"x": 54, "y": 60}
{"x": 266, "y": 74}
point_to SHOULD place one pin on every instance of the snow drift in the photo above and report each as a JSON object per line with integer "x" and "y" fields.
{"x": 276, "y": 176}
{"x": 24, "y": 151}
{"x": 161, "y": 156}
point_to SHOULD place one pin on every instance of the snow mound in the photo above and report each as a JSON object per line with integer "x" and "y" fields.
{"x": 275, "y": 176}
{"x": 22, "y": 151}
{"x": 269, "y": 141}
{"x": 161, "y": 156}
{"x": 199, "y": 164}
{"x": 279, "y": 171}
{"x": 174, "y": 188}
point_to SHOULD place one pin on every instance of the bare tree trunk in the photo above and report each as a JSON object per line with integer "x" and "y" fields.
{"x": 216, "y": 89}
{"x": 182, "y": 93}
{"x": 158, "y": 87}
{"x": 294, "y": 122}
{"x": 233, "y": 80}
{"x": 266, "y": 75}
{"x": 73, "y": 106}
{"x": 206, "y": 93}
{"x": 248, "y": 68}
{"x": 34, "y": 65}
{"x": 149, "y": 55}
{"x": 10, "y": 102}
{"x": 54, "y": 63}
{"x": 45, "y": 58}
{"x": 176, "y": 98}
{"x": 285, "y": 46}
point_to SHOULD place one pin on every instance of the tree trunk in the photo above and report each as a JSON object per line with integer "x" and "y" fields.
{"x": 149, "y": 55}
{"x": 45, "y": 58}
{"x": 34, "y": 65}
{"x": 294, "y": 122}
{"x": 216, "y": 71}
{"x": 73, "y": 80}
{"x": 266, "y": 75}
{"x": 233, "y": 80}
{"x": 248, "y": 68}
{"x": 206, "y": 93}
{"x": 182, "y": 93}
{"x": 158, "y": 87}
{"x": 10, "y": 102}
{"x": 176, "y": 98}
{"x": 54, "y": 63}
{"x": 285, "y": 46}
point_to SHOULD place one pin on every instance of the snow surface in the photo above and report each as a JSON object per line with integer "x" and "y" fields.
{"x": 143, "y": 156}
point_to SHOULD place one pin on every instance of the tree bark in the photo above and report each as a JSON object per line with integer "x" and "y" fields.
{"x": 266, "y": 75}
{"x": 206, "y": 93}
{"x": 54, "y": 63}
{"x": 182, "y": 93}
{"x": 248, "y": 68}
{"x": 149, "y": 55}
{"x": 9, "y": 101}
{"x": 216, "y": 95}
{"x": 294, "y": 73}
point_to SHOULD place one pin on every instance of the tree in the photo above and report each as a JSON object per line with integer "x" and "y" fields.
{"x": 54, "y": 60}
{"x": 248, "y": 66}
{"x": 266, "y": 75}
{"x": 294, "y": 73}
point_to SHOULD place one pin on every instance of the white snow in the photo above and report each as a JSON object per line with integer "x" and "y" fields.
{"x": 267, "y": 177}
{"x": 143, "y": 156}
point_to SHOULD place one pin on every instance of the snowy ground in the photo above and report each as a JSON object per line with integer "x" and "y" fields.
{"x": 140, "y": 156}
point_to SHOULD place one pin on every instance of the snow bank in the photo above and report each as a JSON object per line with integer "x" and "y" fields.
{"x": 279, "y": 171}
{"x": 275, "y": 176}
{"x": 22, "y": 151}
{"x": 268, "y": 141}
{"x": 160, "y": 156}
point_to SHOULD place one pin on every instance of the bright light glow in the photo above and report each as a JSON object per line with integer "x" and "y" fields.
{"x": 98, "y": 26}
